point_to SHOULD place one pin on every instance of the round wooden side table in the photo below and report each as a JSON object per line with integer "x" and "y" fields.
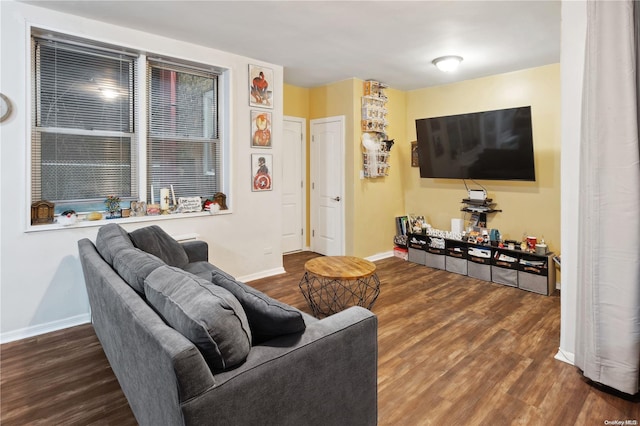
{"x": 333, "y": 283}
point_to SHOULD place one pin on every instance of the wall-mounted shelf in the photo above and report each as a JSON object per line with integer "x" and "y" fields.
{"x": 479, "y": 206}
{"x": 375, "y": 147}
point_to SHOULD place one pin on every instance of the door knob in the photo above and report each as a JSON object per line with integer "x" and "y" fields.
{"x": 336, "y": 199}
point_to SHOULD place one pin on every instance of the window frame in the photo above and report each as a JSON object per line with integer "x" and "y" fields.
{"x": 140, "y": 117}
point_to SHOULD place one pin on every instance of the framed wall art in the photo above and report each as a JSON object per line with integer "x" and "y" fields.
{"x": 261, "y": 166}
{"x": 260, "y": 129}
{"x": 415, "y": 162}
{"x": 260, "y": 86}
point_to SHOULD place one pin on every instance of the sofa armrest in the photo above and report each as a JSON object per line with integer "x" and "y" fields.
{"x": 326, "y": 375}
{"x": 197, "y": 250}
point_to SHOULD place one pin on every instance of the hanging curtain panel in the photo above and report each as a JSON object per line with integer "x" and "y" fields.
{"x": 608, "y": 291}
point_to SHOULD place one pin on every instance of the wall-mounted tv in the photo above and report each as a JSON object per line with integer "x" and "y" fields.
{"x": 494, "y": 145}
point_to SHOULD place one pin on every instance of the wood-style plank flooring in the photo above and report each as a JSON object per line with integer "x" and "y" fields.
{"x": 452, "y": 350}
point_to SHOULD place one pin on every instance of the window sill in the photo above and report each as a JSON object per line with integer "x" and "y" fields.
{"x": 135, "y": 219}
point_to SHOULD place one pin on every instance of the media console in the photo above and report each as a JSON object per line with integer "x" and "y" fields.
{"x": 514, "y": 268}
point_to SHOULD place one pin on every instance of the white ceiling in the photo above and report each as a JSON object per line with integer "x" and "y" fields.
{"x": 320, "y": 42}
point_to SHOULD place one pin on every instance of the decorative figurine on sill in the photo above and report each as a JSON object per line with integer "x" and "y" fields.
{"x": 113, "y": 206}
{"x": 221, "y": 199}
{"x": 211, "y": 206}
{"x": 67, "y": 217}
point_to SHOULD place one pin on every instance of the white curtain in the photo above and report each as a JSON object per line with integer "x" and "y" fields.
{"x": 608, "y": 327}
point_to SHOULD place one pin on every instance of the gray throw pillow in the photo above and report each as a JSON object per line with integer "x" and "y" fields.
{"x": 111, "y": 239}
{"x": 156, "y": 241}
{"x": 268, "y": 318}
{"x": 134, "y": 265}
{"x": 207, "y": 315}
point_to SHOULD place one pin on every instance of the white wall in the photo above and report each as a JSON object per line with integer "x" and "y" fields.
{"x": 41, "y": 283}
{"x": 573, "y": 36}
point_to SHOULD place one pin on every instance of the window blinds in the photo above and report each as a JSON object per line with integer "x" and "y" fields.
{"x": 83, "y": 142}
{"x": 183, "y": 145}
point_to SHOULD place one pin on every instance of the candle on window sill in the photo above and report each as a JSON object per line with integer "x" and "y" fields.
{"x": 152, "y": 195}
{"x": 164, "y": 198}
{"x": 173, "y": 196}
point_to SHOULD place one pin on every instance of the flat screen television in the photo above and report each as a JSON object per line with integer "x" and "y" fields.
{"x": 493, "y": 145}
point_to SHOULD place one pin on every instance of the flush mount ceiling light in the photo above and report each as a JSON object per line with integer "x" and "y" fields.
{"x": 447, "y": 63}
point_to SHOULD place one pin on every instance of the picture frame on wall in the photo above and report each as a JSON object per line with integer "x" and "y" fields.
{"x": 261, "y": 166}
{"x": 260, "y": 86}
{"x": 415, "y": 160}
{"x": 260, "y": 129}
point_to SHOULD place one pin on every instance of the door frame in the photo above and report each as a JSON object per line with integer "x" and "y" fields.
{"x": 313, "y": 174}
{"x": 303, "y": 164}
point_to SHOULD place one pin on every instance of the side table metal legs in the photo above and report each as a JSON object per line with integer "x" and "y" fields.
{"x": 327, "y": 296}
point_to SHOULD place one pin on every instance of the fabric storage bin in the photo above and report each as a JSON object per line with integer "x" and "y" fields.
{"x": 457, "y": 265}
{"x": 504, "y": 267}
{"x": 435, "y": 258}
{"x": 535, "y": 275}
{"x": 504, "y": 276}
{"x": 535, "y": 283}
{"x": 479, "y": 262}
{"x": 456, "y": 258}
{"x": 417, "y": 255}
{"x": 479, "y": 270}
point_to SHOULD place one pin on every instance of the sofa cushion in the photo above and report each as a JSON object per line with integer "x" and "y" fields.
{"x": 268, "y": 318}
{"x": 112, "y": 239}
{"x": 134, "y": 265}
{"x": 208, "y": 315}
{"x": 156, "y": 241}
{"x": 202, "y": 269}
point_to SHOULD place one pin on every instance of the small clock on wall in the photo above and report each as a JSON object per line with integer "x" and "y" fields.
{"x": 5, "y": 108}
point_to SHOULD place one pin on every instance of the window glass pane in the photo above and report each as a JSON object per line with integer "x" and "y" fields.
{"x": 83, "y": 144}
{"x": 83, "y": 90}
{"x": 181, "y": 104}
{"x": 183, "y": 149}
{"x": 85, "y": 167}
{"x": 188, "y": 166}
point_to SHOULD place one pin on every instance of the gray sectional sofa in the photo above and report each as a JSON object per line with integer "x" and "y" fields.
{"x": 191, "y": 345}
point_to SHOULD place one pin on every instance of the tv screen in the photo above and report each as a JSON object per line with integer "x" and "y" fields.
{"x": 493, "y": 145}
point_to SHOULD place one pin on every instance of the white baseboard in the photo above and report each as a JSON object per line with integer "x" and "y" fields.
{"x": 262, "y": 274}
{"x": 380, "y": 256}
{"x": 564, "y": 356}
{"x": 36, "y": 330}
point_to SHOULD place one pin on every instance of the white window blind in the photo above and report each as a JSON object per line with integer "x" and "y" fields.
{"x": 183, "y": 144}
{"x": 83, "y": 140}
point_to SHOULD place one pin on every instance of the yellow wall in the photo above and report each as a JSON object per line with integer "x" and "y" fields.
{"x": 296, "y": 104}
{"x": 379, "y": 200}
{"x": 372, "y": 204}
{"x": 528, "y": 207}
{"x": 296, "y": 101}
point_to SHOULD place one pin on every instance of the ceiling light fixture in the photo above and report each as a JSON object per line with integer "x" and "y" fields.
{"x": 447, "y": 63}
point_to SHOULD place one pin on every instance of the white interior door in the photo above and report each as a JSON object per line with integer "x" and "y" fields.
{"x": 327, "y": 186}
{"x": 293, "y": 193}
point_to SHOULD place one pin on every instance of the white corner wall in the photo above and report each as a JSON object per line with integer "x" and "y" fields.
{"x": 572, "y": 49}
{"x": 41, "y": 282}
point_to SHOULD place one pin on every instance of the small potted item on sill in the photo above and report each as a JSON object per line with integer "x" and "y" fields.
{"x": 113, "y": 206}
{"x": 67, "y": 218}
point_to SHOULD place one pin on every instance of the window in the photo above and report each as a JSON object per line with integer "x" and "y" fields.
{"x": 83, "y": 141}
{"x": 183, "y": 147}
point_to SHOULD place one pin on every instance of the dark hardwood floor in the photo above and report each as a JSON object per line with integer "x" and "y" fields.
{"x": 452, "y": 350}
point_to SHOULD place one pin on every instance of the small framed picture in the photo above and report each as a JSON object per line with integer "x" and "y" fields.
{"x": 260, "y": 86}
{"x": 261, "y": 166}
{"x": 260, "y": 129}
